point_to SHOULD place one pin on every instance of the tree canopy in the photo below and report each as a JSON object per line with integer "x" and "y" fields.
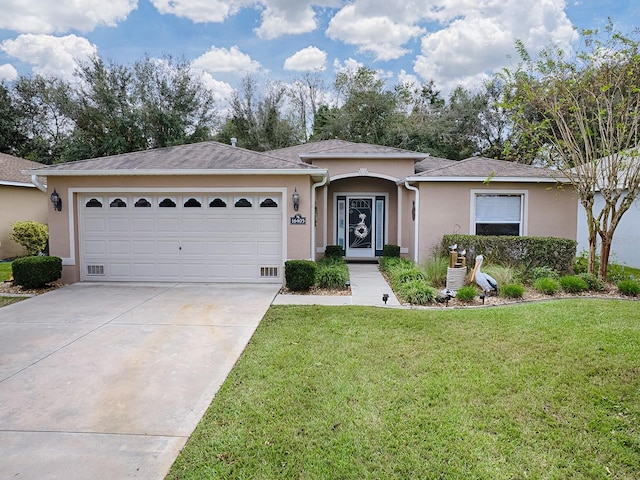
{"x": 580, "y": 114}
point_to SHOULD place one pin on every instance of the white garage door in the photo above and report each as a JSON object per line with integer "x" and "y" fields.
{"x": 181, "y": 237}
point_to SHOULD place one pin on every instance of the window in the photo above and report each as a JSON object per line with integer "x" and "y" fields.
{"x": 118, "y": 203}
{"x": 498, "y": 213}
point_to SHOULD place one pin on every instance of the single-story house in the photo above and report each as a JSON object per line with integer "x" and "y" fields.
{"x": 211, "y": 212}
{"x": 22, "y": 199}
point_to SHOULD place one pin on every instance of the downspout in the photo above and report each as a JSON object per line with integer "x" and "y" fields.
{"x": 36, "y": 182}
{"x": 314, "y": 187}
{"x": 416, "y": 225}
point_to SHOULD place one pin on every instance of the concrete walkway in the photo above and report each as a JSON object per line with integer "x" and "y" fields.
{"x": 367, "y": 287}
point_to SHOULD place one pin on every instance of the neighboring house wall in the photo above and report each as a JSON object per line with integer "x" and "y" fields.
{"x": 19, "y": 204}
{"x": 297, "y": 236}
{"x": 625, "y": 248}
{"x": 446, "y": 208}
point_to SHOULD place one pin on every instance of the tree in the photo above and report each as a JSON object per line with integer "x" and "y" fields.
{"x": 11, "y": 139}
{"x": 258, "y": 120}
{"x": 367, "y": 111}
{"x": 42, "y": 104}
{"x": 154, "y": 103}
{"x": 581, "y": 113}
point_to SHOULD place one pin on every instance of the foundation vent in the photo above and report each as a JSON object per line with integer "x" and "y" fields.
{"x": 95, "y": 269}
{"x": 268, "y": 272}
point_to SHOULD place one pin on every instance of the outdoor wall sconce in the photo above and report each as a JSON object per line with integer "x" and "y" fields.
{"x": 385, "y": 297}
{"x": 295, "y": 198}
{"x": 56, "y": 201}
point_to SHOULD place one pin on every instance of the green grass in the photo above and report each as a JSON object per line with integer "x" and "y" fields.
{"x": 546, "y": 390}
{"x": 5, "y": 271}
{"x": 4, "y": 301}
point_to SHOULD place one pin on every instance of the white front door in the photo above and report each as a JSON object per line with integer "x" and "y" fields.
{"x": 360, "y": 227}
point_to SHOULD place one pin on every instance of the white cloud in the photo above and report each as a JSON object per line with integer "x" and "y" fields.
{"x": 378, "y": 33}
{"x": 8, "y": 72}
{"x": 47, "y": 16}
{"x": 201, "y": 11}
{"x": 221, "y": 60}
{"x": 307, "y": 60}
{"x": 49, "y": 55}
{"x": 478, "y": 38}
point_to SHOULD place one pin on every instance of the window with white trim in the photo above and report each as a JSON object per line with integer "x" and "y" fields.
{"x": 498, "y": 214}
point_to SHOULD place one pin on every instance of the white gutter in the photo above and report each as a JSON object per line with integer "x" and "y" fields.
{"x": 39, "y": 186}
{"x": 314, "y": 187}
{"x": 313, "y": 172}
{"x": 416, "y": 225}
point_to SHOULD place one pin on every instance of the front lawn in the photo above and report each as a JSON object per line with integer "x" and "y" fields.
{"x": 5, "y": 271}
{"x": 545, "y": 390}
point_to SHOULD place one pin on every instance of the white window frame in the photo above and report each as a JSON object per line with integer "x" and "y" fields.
{"x": 524, "y": 208}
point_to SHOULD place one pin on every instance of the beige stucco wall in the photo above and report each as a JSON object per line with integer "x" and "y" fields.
{"x": 298, "y": 236}
{"x": 19, "y": 204}
{"x": 445, "y": 208}
{"x": 392, "y": 167}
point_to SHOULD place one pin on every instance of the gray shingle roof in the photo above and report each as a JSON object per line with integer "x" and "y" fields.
{"x": 11, "y": 169}
{"x": 195, "y": 156}
{"x": 432, "y": 163}
{"x": 481, "y": 167}
{"x": 342, "y": 148}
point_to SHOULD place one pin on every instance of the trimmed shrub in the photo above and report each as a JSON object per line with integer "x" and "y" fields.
{"x": 511, "y": 290}
{"x": 35, "y": 272}
{"x": 593, "y": 282}
{"x": 466, "y": 294}
{"x": 333, "y": 251}
{"x": 417, "y": 292}
{"x": 573, "y": 284}
{"x": 300, "y": 274}
{"x": 547, "y": 285}
{"x": 523, "y": 252}
{"x": 31, "y": 235}
{"x": 391, "y": 250}
{"x": 435, "y": 270}
{"x": 334, "y": 275}
{"x": 629, "y": 287}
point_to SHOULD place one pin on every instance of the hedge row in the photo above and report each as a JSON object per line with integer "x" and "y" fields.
{"x": 522, "y": 252}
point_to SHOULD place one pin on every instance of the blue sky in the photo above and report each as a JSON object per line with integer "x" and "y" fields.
{"x": 450, "y": 41}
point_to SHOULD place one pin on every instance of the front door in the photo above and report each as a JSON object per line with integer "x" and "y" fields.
{"x": 360, "y": 228}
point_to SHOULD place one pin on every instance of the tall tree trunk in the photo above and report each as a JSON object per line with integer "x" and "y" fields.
{"x": 605, "y": 251}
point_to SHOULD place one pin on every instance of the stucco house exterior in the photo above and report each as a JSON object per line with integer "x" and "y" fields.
{"x": 211, "y": 212}
{"x": 20, "y": 199}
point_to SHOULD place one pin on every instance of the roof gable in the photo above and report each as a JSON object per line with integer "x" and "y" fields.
{"x": 11, "y": 170}
{"x": 191, "y": 158}
{"x": 343, "y": 149}
{"x": 476, "y": 168}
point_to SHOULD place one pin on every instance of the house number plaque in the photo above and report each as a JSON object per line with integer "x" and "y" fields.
{"x": 298, "y": 219}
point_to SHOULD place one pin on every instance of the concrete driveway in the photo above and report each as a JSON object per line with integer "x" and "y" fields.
{"x": 109, "y": 380}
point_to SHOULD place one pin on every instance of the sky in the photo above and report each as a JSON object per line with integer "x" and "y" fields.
{"x": 452, "y": 42}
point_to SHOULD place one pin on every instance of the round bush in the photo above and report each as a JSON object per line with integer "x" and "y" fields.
{"x": 573, "y": 284}
{"x": 594, "y": 283}
{"x": 536, "y": 273}
{"x": 629, "y": 287}
{"x": 512, "y": 290}
{"x": 466, "y": 294}
{"x": 34, "y": 272}
{"x": 546, "y": 285}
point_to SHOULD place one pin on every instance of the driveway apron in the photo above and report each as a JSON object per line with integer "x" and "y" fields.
{"x": 109, "y": 380}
